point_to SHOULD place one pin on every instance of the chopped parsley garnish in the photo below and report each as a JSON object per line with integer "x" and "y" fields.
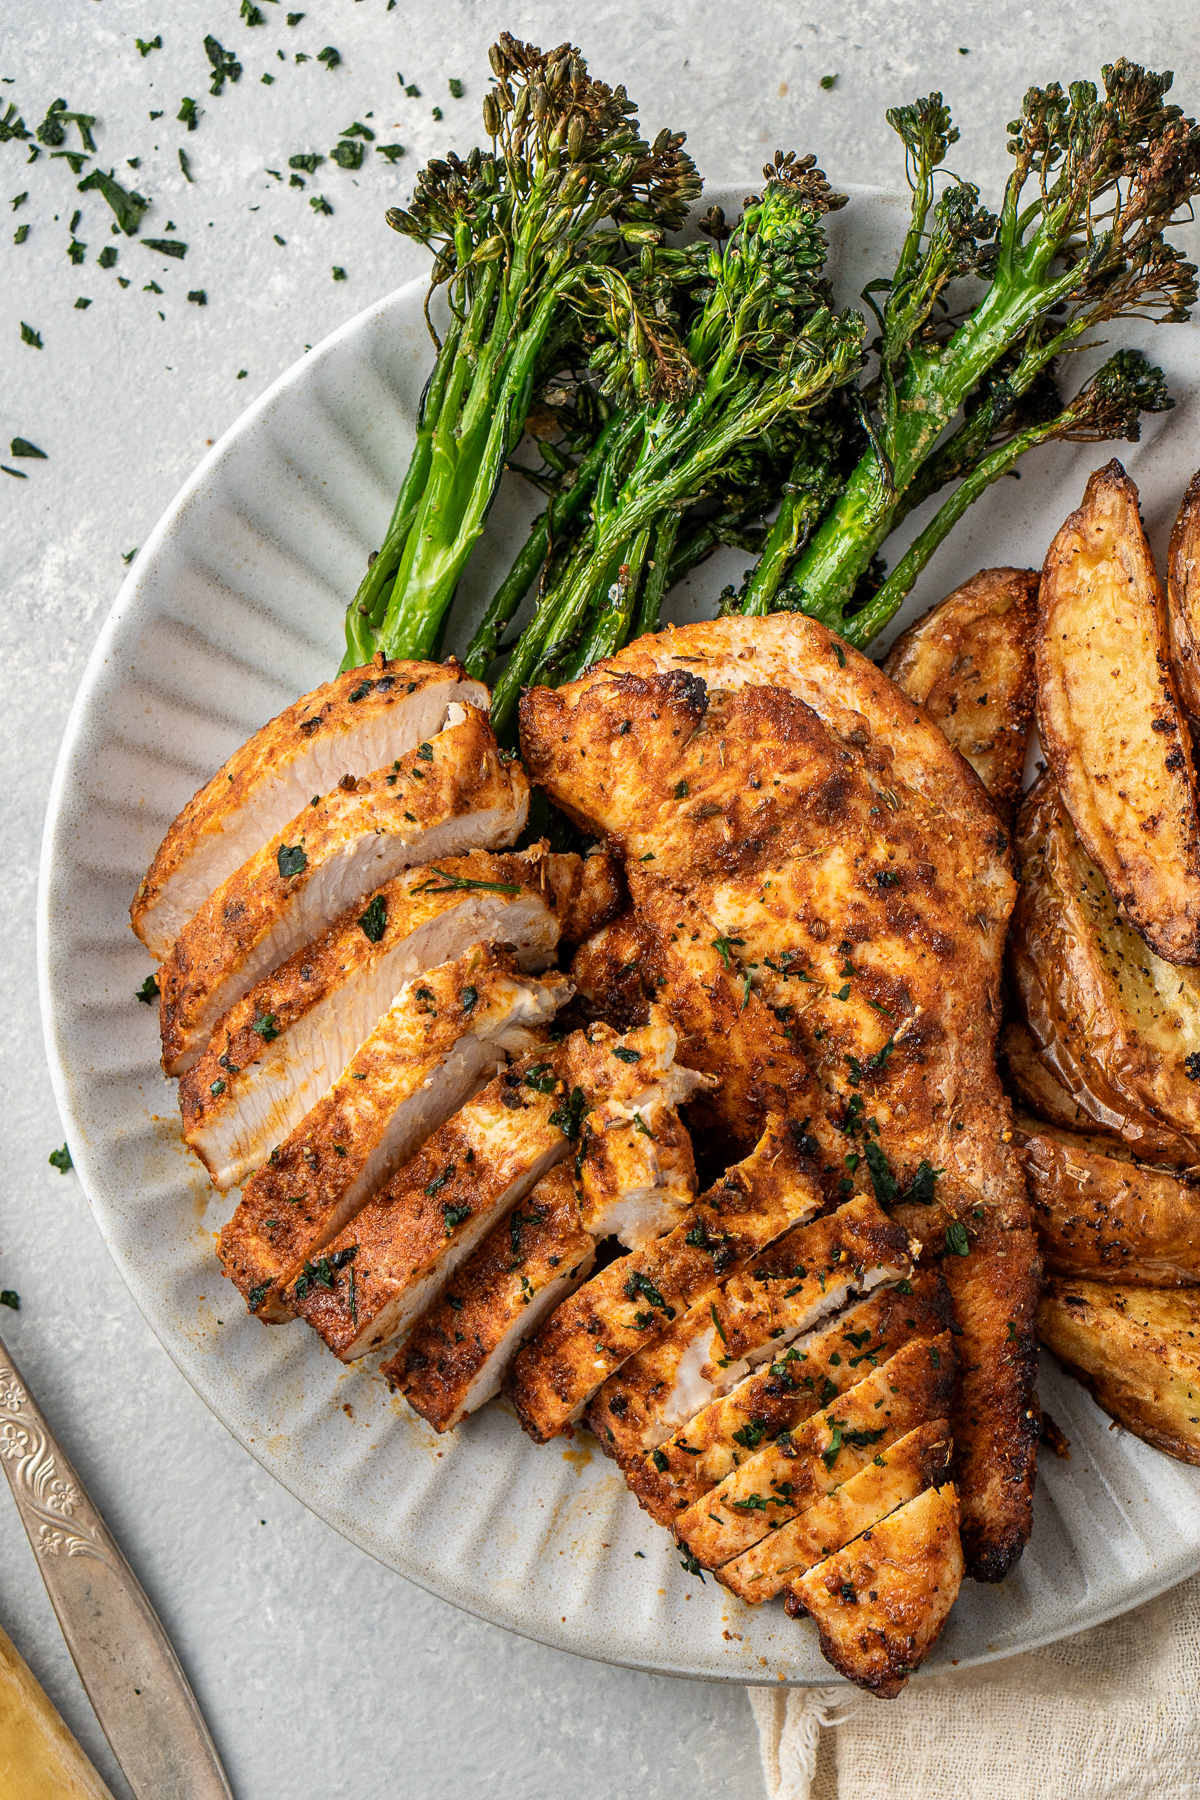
{"x": 456, "y": 882}
{"x": 347, "y": 154}
{"x": 338, "y": 274}
{"x": 308, "y": 160}
{"x": 920, "y": 1189}
{"x": 453, "y": 1217}
{"x": 108, "y": 256}
{"x": 373, "y": 922}
{"x": 681, "y": 790}
{"x": 717, "y": 1326}
{"x": 439, "y": 1181}
{"x": 882, "y": 1179}
{"x": 725, "y": 945}
{"x": 660, "y": 1462}
{"x": 642, "y": 1284}
{"x": 457, "y": 90}
{"x": 10, "y": 1297}
{"x": 393, "y": 152}
{"x": 60, "y": 1160}
{"x": 957, "y": 1241}
{"x": 751, "y": 1434}
{"x": 425, "y": 752}
{"x": 257, "y": 1295}
{"x": 469, "y": 997}
{"x": 640, "y": 1125}
{"x": 146, "y": 45}
{"x": 569, "y": 1116}
{"x": 688, "y": 1563}
{"x": 217, "y": 1089}
{"x": 329, "y": 56}
{"x": 225, "y": 66}
{"x": 625, "y": 1055}
{"x": 166, "y": 247}
{"x": 31, "y": 337}
{"x": 292, "y": 859}
{"x": 267, "y": 1027}
{"x": 148, "y": 991}
{"x": 189, "y": 113}
{"x": 541, "y": 1078}
{"x": 127, "y": 206}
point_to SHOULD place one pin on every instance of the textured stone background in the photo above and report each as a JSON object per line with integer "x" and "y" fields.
{"x": 321, "y": 1674}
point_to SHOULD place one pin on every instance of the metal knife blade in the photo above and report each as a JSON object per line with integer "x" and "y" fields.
{"x": 131, "y": 1674}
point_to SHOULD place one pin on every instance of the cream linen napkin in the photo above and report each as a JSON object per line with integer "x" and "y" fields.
{"x": 1112, "y": 1714}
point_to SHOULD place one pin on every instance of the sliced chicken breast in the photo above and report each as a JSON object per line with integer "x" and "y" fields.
{"x": 455, "y": 1359}
{"x": 905, "y": 1469}
{"x": 412, "y": 1235}
{"x": 776, "y": 1398}
{"x": 752, "y": 1317}
{"x": 431, "y": 1050}
{"x": 880, "y": 1603}
{"x": 285, "y": 1043}
{"x": 451, "y": 794}
{"x": 478, "y": 1166}
{"x": 631, "y": 1302}
{"x": 799, "y": 1467}
{"x": 360, "y": 721}
{"x": 637, "y": 1172}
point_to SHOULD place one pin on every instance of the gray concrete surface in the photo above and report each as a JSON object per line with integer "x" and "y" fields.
{"x": 321, "y": 1674}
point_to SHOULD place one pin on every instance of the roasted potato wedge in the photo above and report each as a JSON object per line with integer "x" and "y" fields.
{"x": 1183, "y": 597}
{"x": 1106, "y": 1217}
{"x": 970, "y": 663}
{"x": 1039, "y": 1090}
{"x": 1111, "y": 1022}
{"x": 1137, "y": 1349}
{"x": 1110, "y": 718}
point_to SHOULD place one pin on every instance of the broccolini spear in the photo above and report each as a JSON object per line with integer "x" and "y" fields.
{"x": 516, "y": 244}
{"x": 762, "y": 343}
{"x": 1109, "y": 175}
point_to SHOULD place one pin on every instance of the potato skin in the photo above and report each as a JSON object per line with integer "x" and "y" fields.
{"x": 1183, "y": 597}
{"x": 1111, "y": 1022}
{"x": 1110, "y": 718}
{"x": 970, "y": 663}
{"x": 1137, "y": 1350}
{"x": 1107, "y": 1218}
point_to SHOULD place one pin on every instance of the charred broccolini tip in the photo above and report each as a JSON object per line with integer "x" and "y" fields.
{"x": 690, "y": 395}
{"x": 1078, "y": 241}
{"x": 757, "y": 331}
{"x": 520, "y": 256}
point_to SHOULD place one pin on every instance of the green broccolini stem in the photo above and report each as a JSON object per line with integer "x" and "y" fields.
{"x": 562, "y": 510}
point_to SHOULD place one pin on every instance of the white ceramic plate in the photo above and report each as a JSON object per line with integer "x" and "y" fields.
{"x": 233, "y": 608}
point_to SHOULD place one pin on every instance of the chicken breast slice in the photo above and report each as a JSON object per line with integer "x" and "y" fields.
{"x": 454, "y": 1360}
{"x": 629, "y": 1303}
{"x": 453, "y": 793}
{"x": 919, "y": 1460}
{"x": 431, "y": 1050}
{"x": 798, "y": 1468}
{"x": 775, "y": 1398}
{"x": 750, "y": 1318}
{"x": 280, "y": 1047}
{"x": 478, "y": 1166}
{"x": 636, "y": 1168}
{"x": 359, "y": 721}
{"x": 407, "y": 1241}
{"x": 880, "y": 1604}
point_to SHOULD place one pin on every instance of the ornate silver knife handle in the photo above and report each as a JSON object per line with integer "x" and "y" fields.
{"x": 131, "y": 1674}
